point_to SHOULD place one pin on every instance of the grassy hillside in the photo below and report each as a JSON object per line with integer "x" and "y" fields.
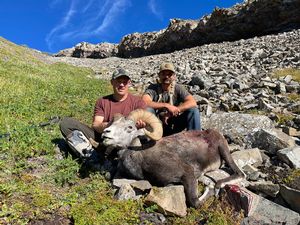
{"x": 33, "y": 183}
{"x": 36, "y": 183}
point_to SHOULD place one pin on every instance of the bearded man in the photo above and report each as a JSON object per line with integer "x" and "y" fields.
{"x": 171, "y": 102}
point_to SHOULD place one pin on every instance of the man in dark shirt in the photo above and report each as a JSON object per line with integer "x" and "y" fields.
{"x": 121, "y": 101}
{"x": 175, "y": 106}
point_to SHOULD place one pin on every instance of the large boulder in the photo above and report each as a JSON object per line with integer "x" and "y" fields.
{"x": 170, "y": 200}
{"x": 259, "y": 210}
{"x": 249, "y": 19}
{"x": 291, "y": 156}
{"x": 236, "y": 126}
{"x": 270, "y": 140}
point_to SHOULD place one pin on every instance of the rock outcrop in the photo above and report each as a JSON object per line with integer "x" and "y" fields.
{"x": 87, "y": 50}
{"x": 249, "y": 19}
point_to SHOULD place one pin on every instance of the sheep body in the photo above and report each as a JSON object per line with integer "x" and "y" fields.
{"x": 180, "y": 158}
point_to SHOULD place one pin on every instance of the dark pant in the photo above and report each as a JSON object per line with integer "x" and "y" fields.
{"x": 189, "y": 119}
{"x": 68, "y": 124}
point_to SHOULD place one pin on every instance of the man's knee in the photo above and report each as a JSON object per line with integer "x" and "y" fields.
{"x": 193, "y": 119}
{"x": 193, "y": 111}
{"x": 64, "y": 122}
{"x": 66, "y": 125}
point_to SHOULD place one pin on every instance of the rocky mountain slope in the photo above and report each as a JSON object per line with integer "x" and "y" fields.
{"x": 226, "y": 76}
{"x": 249, "y": 19}
{"x": 249, "y": 89}
{"x": 233, "y": 81}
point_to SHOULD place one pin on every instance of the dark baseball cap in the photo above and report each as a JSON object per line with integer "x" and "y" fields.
{"x": 120, "y": 72}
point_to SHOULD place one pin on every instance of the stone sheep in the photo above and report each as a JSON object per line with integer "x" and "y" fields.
{"x": 179, "y": 158}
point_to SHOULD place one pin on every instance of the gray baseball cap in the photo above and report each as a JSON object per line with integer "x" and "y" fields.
{"x": 120, "y": 72}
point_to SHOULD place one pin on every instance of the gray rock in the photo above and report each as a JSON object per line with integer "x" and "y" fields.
{"x": 270, "y": 140}
{"x": 247, "y": 157}
{"x": 125, "y": 192}
{"x": 141, "y": 185}
{"x": 170, "y": 200}
{"x": 266, "y": 187}
{"x": 291, "y": 196}
{"x": 119, "y": 182}
{"x": 290, "y": 156}
{"x": 87, "y": 50}
{"x": 291, "y": 131}
{"x": 263, "y": 105}
{"x": 251, "y": 172}
{"x": 259, "y": 210}
{"x": 236, "y": 125}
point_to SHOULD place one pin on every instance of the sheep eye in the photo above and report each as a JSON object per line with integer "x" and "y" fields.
{"x": 130, "y": 127}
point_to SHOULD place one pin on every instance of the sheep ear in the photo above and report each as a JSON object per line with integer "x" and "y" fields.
{"x": 140, "y": 132}
{"x": 136, "y": 142}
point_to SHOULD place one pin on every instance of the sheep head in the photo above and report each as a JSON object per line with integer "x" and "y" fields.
{"x": 122, "y": 131}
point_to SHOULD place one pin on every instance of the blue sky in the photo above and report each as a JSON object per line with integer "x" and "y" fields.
{"x": 53, "y": 25}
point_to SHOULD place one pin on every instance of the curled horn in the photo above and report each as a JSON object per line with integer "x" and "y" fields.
{"x": 154, "y": 129}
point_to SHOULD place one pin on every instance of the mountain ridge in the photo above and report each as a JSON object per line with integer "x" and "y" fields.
{"x": 246, "y": 20}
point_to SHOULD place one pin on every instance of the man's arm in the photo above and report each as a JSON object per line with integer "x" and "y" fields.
{"x": 189, "y": 102}
{"x": 155, "y": 105}
{"x": 98, "y": 124}
{"x": 160, "y": 105}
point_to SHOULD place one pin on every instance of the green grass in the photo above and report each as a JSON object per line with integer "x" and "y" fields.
{"x": 34, "y": 184}
{"x": 294, "y": 72}
{"x": 293, "y": 175}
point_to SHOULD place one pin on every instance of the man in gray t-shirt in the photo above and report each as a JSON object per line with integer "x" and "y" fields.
{"x": 175, "y": 106}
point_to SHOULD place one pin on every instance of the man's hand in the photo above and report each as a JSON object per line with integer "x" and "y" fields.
{"x": 140, "y": 124}
{"x": 99, "y": 126}
{"x": 173, "y": 110}
{"x": 165, "y": 117}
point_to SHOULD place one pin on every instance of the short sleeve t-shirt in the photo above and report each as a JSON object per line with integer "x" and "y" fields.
{"x": 107, "y": 106}
{"x": 180, "y": 93}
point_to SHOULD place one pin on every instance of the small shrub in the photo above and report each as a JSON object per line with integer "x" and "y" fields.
{"x": 294, "y": 176}
{"x": 151, "y": 209}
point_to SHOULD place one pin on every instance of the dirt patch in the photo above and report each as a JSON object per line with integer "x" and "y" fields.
{"x": 54, "y": 220}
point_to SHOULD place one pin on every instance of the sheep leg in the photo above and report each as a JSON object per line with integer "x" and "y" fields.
{"x": 238, "y": 173}
{"x": 190, "y": 188}
{"x": 207, "y": 193}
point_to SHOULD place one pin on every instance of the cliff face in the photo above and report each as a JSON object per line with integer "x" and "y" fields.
{"x": 242, "y": 21}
